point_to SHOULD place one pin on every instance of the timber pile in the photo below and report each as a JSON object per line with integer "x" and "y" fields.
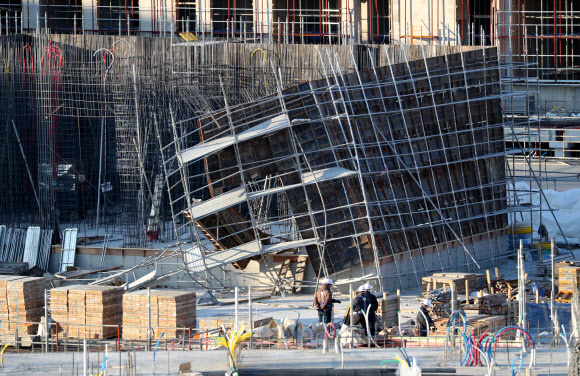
{"x": 568, "y": 277}
{"x": 481, "y": 323}
{"x": 441, "y": 309}
{"x": 387, "y": 313}
{"x": 439, "y": 295}
{"x": 494, "y": 304}
{"x": 13, "y": 268}
{"x": 216, "y": 322}
{"x": 83, "y": 311}
{"x": 505, "y": 286}
{"x": 22, "y": 300}
{"x": 439, "y": 280}
{"x": 478, "y": 324}
{"x": 170, "y": 310}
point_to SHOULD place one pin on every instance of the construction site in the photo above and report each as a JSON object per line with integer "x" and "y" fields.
{"x": 179, "y": 181}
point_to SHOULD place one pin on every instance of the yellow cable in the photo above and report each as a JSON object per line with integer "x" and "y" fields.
{"x": 263, "y": 62}
{"x": 2, "y": 353}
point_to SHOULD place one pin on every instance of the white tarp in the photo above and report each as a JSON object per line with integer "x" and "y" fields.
{"x": 566, "y": 206}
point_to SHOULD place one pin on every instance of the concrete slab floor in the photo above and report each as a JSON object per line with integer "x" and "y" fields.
{"x": 167, "y": 363}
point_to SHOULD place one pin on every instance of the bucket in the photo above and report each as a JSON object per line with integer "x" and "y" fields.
{"x": 521, "y": 231}
{"x": 546, "y": 250}
{"x": 521, "y": 228}
{"x": 545, "y": 245}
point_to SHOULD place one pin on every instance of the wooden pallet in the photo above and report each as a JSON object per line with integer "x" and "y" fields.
{"x": 22, "y": 340}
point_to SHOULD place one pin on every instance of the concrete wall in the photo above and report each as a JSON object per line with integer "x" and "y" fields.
{"x": 555, "y": 95}
{"x": 395, "y": 276}
{"x": 256, "y": 274}
{"x": 402, "y": 274}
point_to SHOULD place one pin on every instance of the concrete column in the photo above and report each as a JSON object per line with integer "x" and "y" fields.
{"x": 146, "y": 16}
{"x": 436, "y": 18}
{"x": 356, "y": 20}
{"x": 263, "y": 17}
{"x": 203, "y": 17}
{"x": 347, "y": 15}
{"x": 90, "y": 16}
{"x": 364, "y": 22}
{"x": 31, "y": 13}
{"x": 165, "y": 11}
{"x": 156, "y": 17}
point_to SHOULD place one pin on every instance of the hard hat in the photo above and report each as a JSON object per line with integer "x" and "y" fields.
{"x": 327, "y": 281}
{"x": 427, "y": 302}
{"x": 361, "y": 288}
{"x": 367, "y": 286}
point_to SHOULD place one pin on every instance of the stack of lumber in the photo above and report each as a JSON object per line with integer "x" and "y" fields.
{"x": 568, "y": 277}
{"x": 216, "y": 322}
{"x": 59, "y": 308}
{"x": 439, "y": 280}
{"x": 21, "y": 300}
{"x": 440, "y": 309}
{"x": 561, "y": 264}
{"x": 87, "y": 311}
{"x": 13, "y": 268}
{"x": 387, "y": 313}
{"x": 505, "y": 286}
{"x": 211, "y": 323}
{"x": 439, "y": 295}
{"x": 171, "y": 312}
{"x": 494, "y": 304}
{"x": 481, "y": 323}
{"x": 478, "y": 324}
{"x": 435, "y": 282}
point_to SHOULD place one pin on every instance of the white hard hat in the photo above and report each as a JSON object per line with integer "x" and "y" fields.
{"x": 367, "y": 286}
{"x": 427, "y": 302}
{"x": 327, "y": 281}
{"x": 361, "y": 288}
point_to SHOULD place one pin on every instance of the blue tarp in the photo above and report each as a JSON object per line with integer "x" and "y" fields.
{"x": 540, "y": 314}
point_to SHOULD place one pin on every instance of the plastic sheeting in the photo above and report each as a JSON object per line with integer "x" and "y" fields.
{"x": 538, "y": 315}
{"x": 566, "y": 206}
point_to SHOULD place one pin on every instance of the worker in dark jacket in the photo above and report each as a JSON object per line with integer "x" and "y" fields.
{"x": 423, "y": 318}
{"x": 373, "y": 301}
{"x": 323, "y": 301}
{"x": 366, "y": 302}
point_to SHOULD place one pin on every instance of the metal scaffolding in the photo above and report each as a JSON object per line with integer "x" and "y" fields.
{"x": 381, "y": 166}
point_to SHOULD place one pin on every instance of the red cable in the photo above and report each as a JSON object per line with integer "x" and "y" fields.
{"x": 479, "y": 344}
{"x": 326, "y": 333}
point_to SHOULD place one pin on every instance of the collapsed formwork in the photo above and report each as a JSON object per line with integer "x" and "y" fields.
{"x": 378, "y": 168}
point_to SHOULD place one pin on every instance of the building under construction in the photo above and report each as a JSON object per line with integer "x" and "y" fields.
{"x": 372, "y": 137}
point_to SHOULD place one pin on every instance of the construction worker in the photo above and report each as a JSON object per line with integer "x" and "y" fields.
{"x": 373, "y": 301}
{"x": 361, "y": 303}
{"x": 323, "y": 301}
{"x": 423, "y": 318}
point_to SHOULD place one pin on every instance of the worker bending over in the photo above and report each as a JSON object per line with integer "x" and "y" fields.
{"x": 361, "y": 303}
{"x": 423, "y": 318}
{"x": 323, "y": 301}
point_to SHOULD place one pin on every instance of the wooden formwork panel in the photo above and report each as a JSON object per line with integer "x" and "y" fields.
{"x": 436, "y": 134}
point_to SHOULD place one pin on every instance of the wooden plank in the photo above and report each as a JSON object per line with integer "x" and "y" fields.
{"x": 231, "y": 301}
{"x": 83, "y": 272}
{"x": 299, "y": 276}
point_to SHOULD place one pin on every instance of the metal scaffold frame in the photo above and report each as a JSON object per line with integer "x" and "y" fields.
{"x": 331, "y": 112}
